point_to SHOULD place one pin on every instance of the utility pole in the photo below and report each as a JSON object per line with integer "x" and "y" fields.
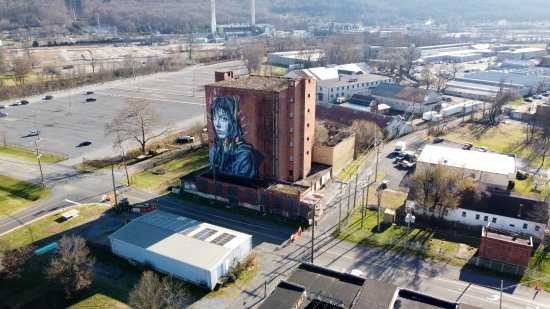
{"x": 377, "y": 155}
{"x": 366, "y": 201}
{"x": 355, "y": 191}
{"x": 349, "y": 194}
{"x": 313, "y": 232}
{"x": 114, "y": 186}
{"x": 501, "y": 288}
{"x": 39, "y": 164}
{"x": 70, "y": 102}
{"x": 380, "y": 188}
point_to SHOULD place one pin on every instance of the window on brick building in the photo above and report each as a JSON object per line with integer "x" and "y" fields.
{"x": 291, "y": 129}
{"x": 291, "y": 114}
{"x": 290, "y": 172}
{"x": 219, "y": 188}
{"x": 250, "y": 196}
{"x": 291, "y": 205}
{"x": 308, "y": 95}
{"x": 494, "y": 220}
{"x": 291, "y": 144}
{"x": 291, "y": 159}
{"x": 278, "y": 202}
{"x": 524, "y": 225}
{"x": 265, "y": 199}
{"x": 203, "y": 185}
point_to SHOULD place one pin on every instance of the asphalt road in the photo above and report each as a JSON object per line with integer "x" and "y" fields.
{"x": 67, "y": 119}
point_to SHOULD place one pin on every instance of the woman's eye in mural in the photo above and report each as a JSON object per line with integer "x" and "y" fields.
{"x": 221, "y": 125}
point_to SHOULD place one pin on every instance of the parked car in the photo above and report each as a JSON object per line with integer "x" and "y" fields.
{"x": 90, "y": 99}
{"x": 467, "y": 146}
{"x": 85, "y": 143}
{"x": 2, "y": 114}
{"x": 527, "y": 100}
{"x": 16, "y": 103}
{"x": 184, "y": 139}
{"x": 438, "y": 140}
{"x": 483, "y": 149}
{"x": 89, "y": 92}
{"x": 406, "y": 164}
{"x": 3, "y": 106}
{"x": 537, "y": 96}
{"x": 546, "y": 94}
{"x": 48, "y": 97}
{"x": 32, "y": 133}
{"x": 24, "y": 102}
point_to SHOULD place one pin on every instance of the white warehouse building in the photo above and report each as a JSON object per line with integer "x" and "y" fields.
{"x": 493, "y": 169}
{"x": 194, "y": 251}
{"x": 521, "y": 54}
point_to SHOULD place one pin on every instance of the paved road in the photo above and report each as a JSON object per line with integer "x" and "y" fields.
{"x": 68, "y": 119}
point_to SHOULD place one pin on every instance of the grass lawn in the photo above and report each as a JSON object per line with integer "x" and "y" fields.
{"x": 454, "y": 248}
{"x": 173, "y": 170}
{"x": 28, "y": 155}
{"x": 504, "y": 138}
{"x": 518, "y": 102}
{"x": 540, "y": 262}
{"x": 51, "y": 225}
{"x": 16, "y": 195}
{"x": 527, "y": 187}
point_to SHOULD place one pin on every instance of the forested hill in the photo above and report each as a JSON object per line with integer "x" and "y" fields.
{"x": 183, "y": 15}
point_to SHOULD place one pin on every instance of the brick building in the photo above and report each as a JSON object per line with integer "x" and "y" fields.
{"x": 261, "y": 134}
{"x": 505, "y": 247}
{"x": 278, "y": 115}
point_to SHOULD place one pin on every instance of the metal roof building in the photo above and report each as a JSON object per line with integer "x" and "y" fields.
{"x": 191, "y": 250}
{"x": 493, "y": 169}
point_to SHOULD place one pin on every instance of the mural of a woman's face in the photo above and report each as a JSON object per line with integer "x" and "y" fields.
{"x": 221, "y": 123}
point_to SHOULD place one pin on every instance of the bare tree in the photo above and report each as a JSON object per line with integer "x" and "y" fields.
{"x": 502, "y": 98}
{"x": 139, "y": 121}
{"x": 441, "y": 79}
{"x": 540, "y": 142}
{"x": 2, "y": 60}
{"x": 13, "y": 261}
{"x": 72, "y": 267}
{"x": 21, "y": 67}
{"x": 410, "y": 55}
{"x": 151, "y": 293}
{"x": 253, "y": 57}
{"x": 426, "y": 77}
{"x": 321, "y": 133}
{"x": 438, "y": 188}
{"x": 343, "y": 48}
{"x": 392, "y": 59}
{"x": 365, "y": 133}
{"x": 455, "y": 68}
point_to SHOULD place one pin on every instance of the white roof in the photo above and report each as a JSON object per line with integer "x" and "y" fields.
{"x": 179, "y": 238}
{"x": 469, "y": 159}
{"x": 331, "y": 72}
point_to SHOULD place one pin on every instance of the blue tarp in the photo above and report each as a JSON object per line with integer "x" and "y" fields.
{"x": 46, "y": 248}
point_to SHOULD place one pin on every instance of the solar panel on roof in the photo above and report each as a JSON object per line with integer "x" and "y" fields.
{"x": 204, "y": 234}
{"x": 189, "y": 230}
{"x": 223, "y": 239}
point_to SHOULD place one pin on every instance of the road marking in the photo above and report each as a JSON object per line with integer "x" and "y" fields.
{"x": 152, "y": 91}
{"x": 72, "y": 202}
{"x": 452, "y": 281}
{"x": 151, "y": 99}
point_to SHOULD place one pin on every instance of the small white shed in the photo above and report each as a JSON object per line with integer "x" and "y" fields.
{"x": 194, "y": 251}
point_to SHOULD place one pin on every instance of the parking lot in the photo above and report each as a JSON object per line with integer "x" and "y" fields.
{"x": 67, "y": 120}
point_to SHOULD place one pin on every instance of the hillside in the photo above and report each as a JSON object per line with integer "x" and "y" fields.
{"x": 184, "y": 15}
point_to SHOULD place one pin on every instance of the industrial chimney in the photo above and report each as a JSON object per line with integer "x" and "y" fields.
{"x": 213, "y": 8}
{"x": 253, "y": 12}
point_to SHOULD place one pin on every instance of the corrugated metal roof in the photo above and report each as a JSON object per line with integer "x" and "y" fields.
{"x": 179, "y": 238}
{"x": 412, "y": 94}
{"x": 474, "y": 160}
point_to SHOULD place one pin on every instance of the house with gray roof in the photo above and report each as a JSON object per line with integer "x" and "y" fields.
{"x": 407, "y": 99}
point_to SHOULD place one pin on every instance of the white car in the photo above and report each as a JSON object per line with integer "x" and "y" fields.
{"x": 357, "y": 272}
{"x": 483, "y": 149}
{"x": 32, "y": 133}
{"x": 2, "y": 114}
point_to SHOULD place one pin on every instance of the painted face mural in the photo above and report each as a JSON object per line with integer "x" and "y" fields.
{"x": 230, "y": 154}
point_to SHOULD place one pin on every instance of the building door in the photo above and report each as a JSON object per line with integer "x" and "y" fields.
{"x": 233, "y": 195}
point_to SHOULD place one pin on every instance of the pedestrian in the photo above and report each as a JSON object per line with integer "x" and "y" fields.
{"x": 537, "y": 290}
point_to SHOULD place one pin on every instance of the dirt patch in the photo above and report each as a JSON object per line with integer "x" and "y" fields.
{"x": 52, "y": 229}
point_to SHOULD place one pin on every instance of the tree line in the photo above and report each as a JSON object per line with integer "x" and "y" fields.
{"x": 172, "y": 16}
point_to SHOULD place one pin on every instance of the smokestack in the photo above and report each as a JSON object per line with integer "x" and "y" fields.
{"x": 213, "y": 8}
{"x": 253, "y": 12}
